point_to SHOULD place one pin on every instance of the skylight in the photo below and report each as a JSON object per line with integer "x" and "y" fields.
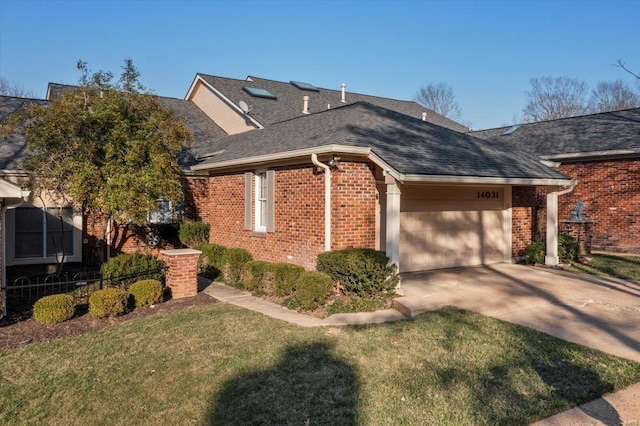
{"x": 259, "y": 93}
{"x": 511, "y": 129}
{"x": 305, "y": 86}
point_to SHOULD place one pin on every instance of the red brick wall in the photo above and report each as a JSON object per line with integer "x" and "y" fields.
{"x": 528, "y": 217}
{"x": 299, "y": 213}
{"x": 611, "y": 193}
{"x": 353, "y": 214}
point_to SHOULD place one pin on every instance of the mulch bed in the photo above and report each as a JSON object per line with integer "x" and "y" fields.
{"x": 17, "y": 331}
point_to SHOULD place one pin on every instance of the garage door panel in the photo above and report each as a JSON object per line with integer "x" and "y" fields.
{"x": 444, "y": 239}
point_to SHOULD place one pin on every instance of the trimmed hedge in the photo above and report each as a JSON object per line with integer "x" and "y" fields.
{"x": 211, "y": 262}
{"x": 285, "y": 277}
{"x": 233, "y": 261}
{"x": 568, "y": 250}
{"x": 108, "y": 302}
{"x": 194, "y": 233}
{"x": 146, "y": 292}
{"x": 256, "y": 275}
{"x": 126, "y": 266}
{"x": 312, "y": 289}
{"x": 364, "y": 272}
{"x": 54, "y": 309}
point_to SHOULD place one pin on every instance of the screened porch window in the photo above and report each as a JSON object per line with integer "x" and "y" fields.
{"x": 43, "y": 232}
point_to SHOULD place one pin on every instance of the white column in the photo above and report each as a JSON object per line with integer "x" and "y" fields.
{"x": 551, "y": 257}
{"x": 393, "y": 222}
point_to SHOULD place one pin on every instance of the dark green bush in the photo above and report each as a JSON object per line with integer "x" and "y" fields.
{"x": 108, "y": 302}
{"x": 535, "y": 252}
{"x": 312, "y": 289}
{"x": 233, "y": 261}
{"x": 54, "y": 309}
{"x": 146, "y": 292}
{"x": 125, "y": 269}
{"x": 256, "y": 274}
{"x": 364, "y": 272}
{"x": 567, "y": 250}
{"x": 211, "y": 260}
{"x": 285, "y": 277}
{"x": 194, "y": 233}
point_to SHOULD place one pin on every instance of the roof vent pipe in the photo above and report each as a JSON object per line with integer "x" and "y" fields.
{"x": 344, "y": 92}
{"x": 305, "y": 104}
{"x": 424, "y": 116}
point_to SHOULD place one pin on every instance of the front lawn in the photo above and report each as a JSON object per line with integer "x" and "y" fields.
{"x": 225, "y": 365}
{"x": 626, "y": 267}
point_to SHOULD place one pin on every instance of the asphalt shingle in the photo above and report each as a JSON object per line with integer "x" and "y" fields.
{"x": 607, "y": 131}
{"x": 409, "y": 145}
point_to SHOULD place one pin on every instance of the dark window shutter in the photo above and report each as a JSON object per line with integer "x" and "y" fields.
{"x": 271, "y": 202}
{"x": 248, "y": 200}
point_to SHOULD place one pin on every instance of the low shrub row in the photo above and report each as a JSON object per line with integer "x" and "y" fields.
{"x": 108, "y": 302}
{"x": 361, "y": 273}
{"x": 568, "y": 250}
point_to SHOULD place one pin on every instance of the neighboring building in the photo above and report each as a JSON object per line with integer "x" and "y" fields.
{"x": 602, "y": 153}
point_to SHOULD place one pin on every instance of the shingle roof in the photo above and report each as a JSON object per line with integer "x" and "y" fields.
{"x": 607, "y": 131}
{"x": 203, "y": 128}
{"x": 409, "y": 145}
{"x": 289, "y": 101}
{"x": 13, "y": 149}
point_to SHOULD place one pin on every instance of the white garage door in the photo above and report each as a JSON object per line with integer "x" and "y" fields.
{"x": 451, "y": 227}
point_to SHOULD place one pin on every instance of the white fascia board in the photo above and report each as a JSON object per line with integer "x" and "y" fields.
{"x": 278, "y": 156}
{"x": 223, "y": 97}
{"x": 486, "y": 180}
{"x": 11, "y": 190}
{"x": 592, "y": 154}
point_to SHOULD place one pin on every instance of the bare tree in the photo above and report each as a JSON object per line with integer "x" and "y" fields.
{"x": 612, "y": 96}
{"x": 624, "y": 67}
{"x": 439, "y": 98}
{"x": 552, "y": 98}
{"x": 15, "y": 89}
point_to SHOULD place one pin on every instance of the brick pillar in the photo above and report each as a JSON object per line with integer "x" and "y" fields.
{"x": 182, "y": 272}
{"x": 581, "y": 231}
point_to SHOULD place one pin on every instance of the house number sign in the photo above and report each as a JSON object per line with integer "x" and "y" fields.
{"x": 488, "y": 195}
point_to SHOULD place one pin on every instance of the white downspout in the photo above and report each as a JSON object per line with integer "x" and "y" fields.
{"x": 327, "y": 201}
{"x": 569, "y": 189}
{"x": 4, "y": 248}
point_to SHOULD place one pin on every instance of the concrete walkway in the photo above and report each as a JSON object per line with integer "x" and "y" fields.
{"x": 602, "y": 313}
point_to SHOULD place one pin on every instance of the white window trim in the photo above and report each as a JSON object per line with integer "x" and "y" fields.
{"x": 258, "y": 206}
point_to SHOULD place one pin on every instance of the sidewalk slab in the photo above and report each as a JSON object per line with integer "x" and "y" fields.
{"x": 620, "y": 408}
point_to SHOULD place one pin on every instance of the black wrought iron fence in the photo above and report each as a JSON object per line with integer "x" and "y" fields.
{"x": 24, "y": 291}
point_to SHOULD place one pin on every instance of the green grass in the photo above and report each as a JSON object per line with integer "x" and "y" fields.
{"x": 626, "y": 267}
{"x": 225, "y": 365}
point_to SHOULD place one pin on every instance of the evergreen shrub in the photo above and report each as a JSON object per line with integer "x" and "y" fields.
{"x": 54, "y": 309}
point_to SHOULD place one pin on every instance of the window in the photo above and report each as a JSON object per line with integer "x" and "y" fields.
{"x": 259, "y": 201}
{"x": 43, "y": 232}
{"x": 256, "y": 92}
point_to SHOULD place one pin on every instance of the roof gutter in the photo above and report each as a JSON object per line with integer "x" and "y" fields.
{"x": 327, "y": 201}
{"x": 486, "y": 180}
{"x": 593, "y": 154}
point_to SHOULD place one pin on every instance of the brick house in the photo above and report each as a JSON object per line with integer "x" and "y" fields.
{"x": 291, "y": 181}
{"x": 602, "y": 153}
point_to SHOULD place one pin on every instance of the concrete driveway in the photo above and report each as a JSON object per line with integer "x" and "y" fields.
{"x": 602, "y": 313}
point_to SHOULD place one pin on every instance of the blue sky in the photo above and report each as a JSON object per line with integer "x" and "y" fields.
{"x": 487, "y": 51}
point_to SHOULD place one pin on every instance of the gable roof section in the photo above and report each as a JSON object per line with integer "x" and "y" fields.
{"x": 412, "y": 147}
{"x": 594, "y": 135}
{"x": 13, "y": 150}
{"x": 289, "y": 100}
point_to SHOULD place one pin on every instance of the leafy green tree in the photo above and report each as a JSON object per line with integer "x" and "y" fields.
{"x": 107, "y": 148}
